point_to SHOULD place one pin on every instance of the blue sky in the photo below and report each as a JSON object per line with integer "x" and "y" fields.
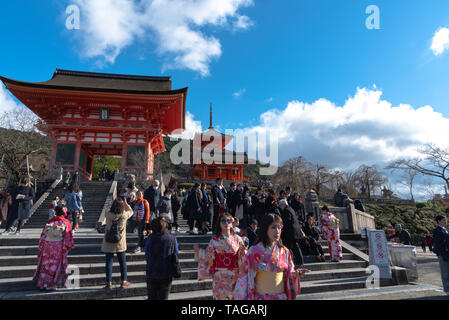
{"x": 283, "y": 58}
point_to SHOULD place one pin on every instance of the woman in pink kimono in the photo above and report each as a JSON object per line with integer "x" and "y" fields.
{"x": 55, "y": 243}
{"x": 268, "y": 271}
{"x": 222, "y": 258}
{"x": 331, "y": 232}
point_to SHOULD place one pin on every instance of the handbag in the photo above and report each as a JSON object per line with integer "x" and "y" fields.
{"x": 176, "y": 266}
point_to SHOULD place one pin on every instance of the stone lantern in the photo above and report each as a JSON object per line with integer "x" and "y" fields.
{"x": 312, "y": 204}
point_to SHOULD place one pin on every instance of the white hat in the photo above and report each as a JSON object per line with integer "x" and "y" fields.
{"x": 283, "y": 202}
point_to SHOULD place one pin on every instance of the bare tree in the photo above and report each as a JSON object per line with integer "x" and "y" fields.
{"x": 318, "y": 176}
{"x": 434, "y": 163}
{"x": 369, "y": 178}
{"x": 19, "y": 140}
{"x": 408, "y": 176}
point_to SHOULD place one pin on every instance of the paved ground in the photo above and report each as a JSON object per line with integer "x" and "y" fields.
{"x": 428, "y": 268}
{"x": 428, "y": 287}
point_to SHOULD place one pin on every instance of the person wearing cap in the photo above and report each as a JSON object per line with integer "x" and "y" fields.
{"x": 291, "y": 234}
{"x": 331, "y": 232}
{"x": 402, "y": 234}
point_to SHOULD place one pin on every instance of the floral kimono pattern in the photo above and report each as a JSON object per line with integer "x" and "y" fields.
{"x": 52, "y": 258}
{"x": 221, "y": 261}
{"x": 279, "y": 260}
{"x": 331, "y": 232}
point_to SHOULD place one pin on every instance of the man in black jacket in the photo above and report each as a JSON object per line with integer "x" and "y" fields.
{"x": 153, "y": 195}
{"x": 251, "y": 232}
{"x": 441, "y": 248}
{"x": 402, "y": 234}
{"x": 258, "y": 205}
{"x": 291, "y": 234}
{"x": 218, "y": 199}
{"x": 230, "y": 199}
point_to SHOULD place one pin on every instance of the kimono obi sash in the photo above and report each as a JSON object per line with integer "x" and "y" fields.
{"x": 269, "y": 282}
{"x": 226, "y": 261}
{"x": 54, "y": 232}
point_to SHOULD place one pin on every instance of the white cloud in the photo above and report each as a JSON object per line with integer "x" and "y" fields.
{"x": 176, "y": 26}
{"x": 239, "y": 94}
{"x": 440, "y": 41}
{"x": 192, "y": 127}
{"x": 365, "y": 130}
{"x": 7, "y": 103}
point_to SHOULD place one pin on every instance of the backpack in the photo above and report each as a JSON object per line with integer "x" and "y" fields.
{"x": 114, "y": 235}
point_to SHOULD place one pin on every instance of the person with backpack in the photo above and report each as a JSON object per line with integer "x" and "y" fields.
{"x": 115, "y": 240}
{"x": 164, "y": 208}
{"x": 161, "y": 252}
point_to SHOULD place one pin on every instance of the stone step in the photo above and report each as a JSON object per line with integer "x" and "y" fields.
{"x": 26, "y": 283}
{"x": 307, "y": 288}
{"x": 97, "y": 292}
{"x": 86, "y": 268}
{"x": 95, "y": 238}
{"x": 90, "y": 248}
{"x": 178, "y": 286}
{"x": 28, "y": 260}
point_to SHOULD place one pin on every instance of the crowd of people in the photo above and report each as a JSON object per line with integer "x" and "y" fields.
{"x": 256, "y": 251}
{"x": 301, "y": 233}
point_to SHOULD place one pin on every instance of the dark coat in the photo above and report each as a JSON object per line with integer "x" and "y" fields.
{"x": 404, "y": 237}
{"x": 22, "y": 206}
{"x": 159, "y": 250}
{"x": 441, "y": 242}
{"x": 194, "y": 203}
{"x": 164, "y": 208}
{"x": 298, "y": 207}
{"x": 231, "y": 200}
{"x": 258, "y": 208}
{"x": 271, "y": 205}
{"x": 311, "y": 232}
{"x": 292, "y": 229}
{"x": 251, "y": 235}
{"x": 218, "y": 193}
{"x": 175, "y": 204}
{"x": 152, "y": 196}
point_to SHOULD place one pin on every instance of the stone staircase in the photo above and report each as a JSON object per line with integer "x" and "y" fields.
{"x": 94, "y": 196}
{"x": 18, "y": 264}
{"x": 18, "y": 258}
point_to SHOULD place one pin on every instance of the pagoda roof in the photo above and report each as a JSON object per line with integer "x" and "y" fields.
{"x": 225, "y": 153}
{"x": 103, "y": 82}
{"x": 67, "y": 86}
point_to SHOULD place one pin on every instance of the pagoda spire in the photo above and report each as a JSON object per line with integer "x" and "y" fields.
{"x": 211, "y": 126}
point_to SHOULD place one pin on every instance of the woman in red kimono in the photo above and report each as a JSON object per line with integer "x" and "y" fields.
{"x": 268, "y": 272}
{"x": 55, "y": 243}
{"x": 331, "y": 232}
{"x": 222, "y": 259}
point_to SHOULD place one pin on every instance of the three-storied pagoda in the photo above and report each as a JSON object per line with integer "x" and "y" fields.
{"x": 230, "y": 164}
{"x": 89, "y": 114}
